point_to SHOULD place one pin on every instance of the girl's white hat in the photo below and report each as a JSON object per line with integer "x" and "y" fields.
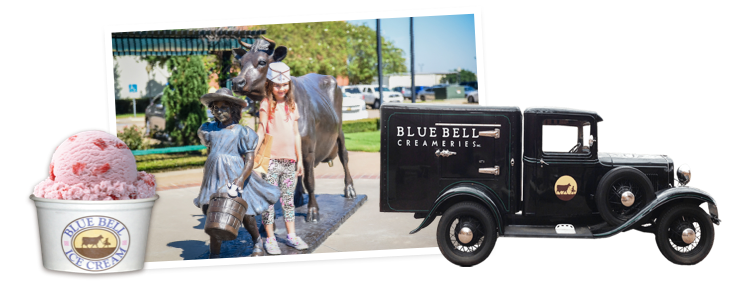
{"x": 279, "y": 72}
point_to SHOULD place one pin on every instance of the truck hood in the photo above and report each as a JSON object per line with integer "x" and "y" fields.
{"x": 629, "y": 159}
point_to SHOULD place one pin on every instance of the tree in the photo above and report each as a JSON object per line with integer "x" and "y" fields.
{"x": 318, "y": 47}
{"x": 362, "y": 55}
{"x": 465, "y": 76}
{"x": 184, "y": 112}
{"x": 335, "y": 48}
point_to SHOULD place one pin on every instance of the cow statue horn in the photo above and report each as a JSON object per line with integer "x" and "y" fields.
{"x": 245, "y": 44}
{"x": 272, "y": 44}
{"x": 264, "y": 44}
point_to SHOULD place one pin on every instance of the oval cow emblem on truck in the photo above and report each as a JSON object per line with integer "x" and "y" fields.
{"x": 565, "y": 188}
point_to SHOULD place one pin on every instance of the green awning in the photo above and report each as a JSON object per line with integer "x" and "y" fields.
{"x": 180, "y": 42}
{"x": 169, "y": 150}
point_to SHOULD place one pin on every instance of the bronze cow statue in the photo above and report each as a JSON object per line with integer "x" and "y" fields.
{"x": 320, "y": 105}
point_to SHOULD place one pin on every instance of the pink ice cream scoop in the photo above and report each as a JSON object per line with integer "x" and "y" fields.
{"x": 95, "y": 165}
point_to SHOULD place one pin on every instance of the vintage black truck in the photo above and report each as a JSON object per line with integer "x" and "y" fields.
{"x": 466, "y": 164}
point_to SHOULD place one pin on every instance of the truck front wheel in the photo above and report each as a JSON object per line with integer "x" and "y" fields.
{"x": 685, "y": 234}
{"x": 466, "y": 233}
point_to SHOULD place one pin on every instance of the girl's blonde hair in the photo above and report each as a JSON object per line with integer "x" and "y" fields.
{"x": 273, "y": 103}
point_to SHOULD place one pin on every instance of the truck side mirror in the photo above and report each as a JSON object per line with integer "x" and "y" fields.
{"x": 592, "y": 140}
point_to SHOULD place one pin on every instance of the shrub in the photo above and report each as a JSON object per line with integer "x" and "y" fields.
{"x": 184, "y": 112}
{"x": 153, "y": 163}
{"x": 156, "y": 157}
{"x": 169, "y": 164}
{"x": 363, "y": 125}
{"x": 133, "y": 137}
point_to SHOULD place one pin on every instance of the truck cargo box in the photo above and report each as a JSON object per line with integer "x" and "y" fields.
{"x": 426, "y": 149}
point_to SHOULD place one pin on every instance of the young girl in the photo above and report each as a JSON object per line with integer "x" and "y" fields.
{"x": 231, "y": 150}
{"x": 279, "y": 117}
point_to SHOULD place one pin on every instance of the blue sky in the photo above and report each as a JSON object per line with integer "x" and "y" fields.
{"x": 442, "y": 43}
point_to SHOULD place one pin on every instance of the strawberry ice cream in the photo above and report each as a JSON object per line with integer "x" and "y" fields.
{"x": 95, "y": 165}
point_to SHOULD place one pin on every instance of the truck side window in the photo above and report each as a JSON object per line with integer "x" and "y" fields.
{"x": 566, "y": 136}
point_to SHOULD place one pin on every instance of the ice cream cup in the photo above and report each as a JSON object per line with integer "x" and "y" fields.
{"x": 91, "y": 236}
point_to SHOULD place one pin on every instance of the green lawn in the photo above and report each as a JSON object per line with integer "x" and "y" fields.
{"x": 362, "y": 141}
{"x": 130, "y": 115}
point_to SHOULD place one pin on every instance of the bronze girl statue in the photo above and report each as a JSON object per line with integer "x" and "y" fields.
{"x": 231, "y": 150}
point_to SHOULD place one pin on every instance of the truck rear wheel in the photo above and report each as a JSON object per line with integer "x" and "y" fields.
{"x": 466, "y": 234}
{"x": 685, "y": 234}
{"x": 622, "y": 193}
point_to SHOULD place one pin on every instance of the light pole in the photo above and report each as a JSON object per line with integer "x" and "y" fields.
{"x": 412, "y": 65}
{"x": 379, "y": 61}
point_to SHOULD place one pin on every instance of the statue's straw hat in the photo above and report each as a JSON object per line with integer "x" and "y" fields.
{"x": 223, "y": 94}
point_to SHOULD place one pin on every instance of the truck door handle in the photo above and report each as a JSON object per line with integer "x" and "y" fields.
{"x": 542, "y": 162}
{"x": 493, "y": 133}
{"x": 495, "y": 170}
{"x": 444, "y": 153}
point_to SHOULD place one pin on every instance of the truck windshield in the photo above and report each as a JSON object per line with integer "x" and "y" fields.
{"x": 565, "y": 136}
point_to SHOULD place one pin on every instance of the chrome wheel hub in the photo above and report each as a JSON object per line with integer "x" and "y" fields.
{"x": 688, "y": 236}
{"x": 627, "y": 198}
{"x": 685, "y": 237}
{"x": 465, "y": 235}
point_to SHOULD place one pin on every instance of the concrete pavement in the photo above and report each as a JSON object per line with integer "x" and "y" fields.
{"x": 177, "y": 225}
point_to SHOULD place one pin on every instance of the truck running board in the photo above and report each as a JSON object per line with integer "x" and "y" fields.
{"x": 548, "y": 231}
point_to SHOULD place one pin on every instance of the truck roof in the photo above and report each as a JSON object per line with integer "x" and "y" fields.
{"x": 563, "y": 111}
{"x": 454, "y": 107}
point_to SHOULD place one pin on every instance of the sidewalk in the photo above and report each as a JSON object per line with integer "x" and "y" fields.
{"x": 177, "y": 228}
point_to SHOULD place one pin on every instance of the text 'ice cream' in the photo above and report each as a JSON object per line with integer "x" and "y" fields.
{"x": 95, "y": 165}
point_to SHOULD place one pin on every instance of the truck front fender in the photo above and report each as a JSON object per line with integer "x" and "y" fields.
{"x": 666, "y": 198}
{"x": 460, "y": 192}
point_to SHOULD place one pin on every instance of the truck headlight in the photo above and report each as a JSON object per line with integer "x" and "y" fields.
{"x": 684, "y": 174}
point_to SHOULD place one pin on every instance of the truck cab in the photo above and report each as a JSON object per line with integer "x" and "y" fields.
{"x": 468, "y": 165}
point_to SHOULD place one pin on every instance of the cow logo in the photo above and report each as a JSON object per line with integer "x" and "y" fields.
{"x": 566, "y": 188}
{"x": 95, "y": 243}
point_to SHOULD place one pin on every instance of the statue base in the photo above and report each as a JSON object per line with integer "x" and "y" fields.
{"x": 334, "y": 211}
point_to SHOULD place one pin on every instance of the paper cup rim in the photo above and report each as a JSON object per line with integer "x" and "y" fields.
{"x": 92, "y": 202}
